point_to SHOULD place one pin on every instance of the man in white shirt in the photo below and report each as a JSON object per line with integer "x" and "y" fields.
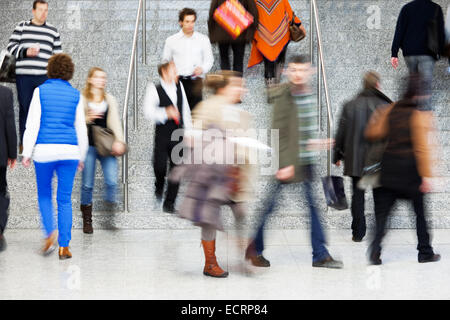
{"x": 168, "y": 106}
{"x": 192, "y": 53}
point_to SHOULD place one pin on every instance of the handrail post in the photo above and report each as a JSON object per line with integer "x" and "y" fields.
{"x": 311, "y": 32}
{"x": 144, "y": 32}
{"x": 135, "y": 90}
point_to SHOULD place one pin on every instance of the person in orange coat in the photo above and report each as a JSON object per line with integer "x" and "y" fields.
{"x": 272, "y": 37}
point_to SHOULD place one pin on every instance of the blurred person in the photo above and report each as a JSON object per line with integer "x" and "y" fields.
{"x": 217, "y": 34}
{"x": 351, "y": 145}
{"x": 295, "y": 115}
{"x": 216, "y": 182}
{"x": 167, "y": 105}
{"x": 192, "y": 53}
{"x": 411, "y": 35}
{"x": 101, "y": 110}
{"x": 272, "y": 38}
{"x": 56, "y": 138}
{"x": 447, "y": 32}
{"x": 8, "y": 154}
{"x": 32, "y": 43}
{"x": 406, "y": 166}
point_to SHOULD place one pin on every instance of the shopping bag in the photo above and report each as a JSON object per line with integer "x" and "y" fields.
{"x": 7, "y": 67}
{"x": 233, "y": 17}
{"x": 333, "y": 187}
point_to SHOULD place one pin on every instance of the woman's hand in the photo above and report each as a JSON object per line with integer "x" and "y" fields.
{"x": 92, "y": 115}
{"x": 118, "y": 148}
{"x": 80, "y": 166}
{"x": 426, "y": 186}
{"x": 26, "y": 162}
{"x": 286, "y": 173}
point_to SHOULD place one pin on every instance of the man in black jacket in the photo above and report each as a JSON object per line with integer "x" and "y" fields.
{"x": 8, "y": 153}
{"x": 411, "y": 35}
{"x": 351, "y": 146}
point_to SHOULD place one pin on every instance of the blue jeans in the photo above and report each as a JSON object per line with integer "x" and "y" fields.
{"x": 65, "y": 170}
{"x": 425, "y": 66}
{"x": 109, "y": 166}
{"x": 318, "y": 240}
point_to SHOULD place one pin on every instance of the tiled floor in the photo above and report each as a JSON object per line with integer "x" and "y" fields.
{"x": 160, "y": 264}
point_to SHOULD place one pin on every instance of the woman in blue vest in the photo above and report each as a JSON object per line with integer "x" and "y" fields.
{"x": 56, "y": 138}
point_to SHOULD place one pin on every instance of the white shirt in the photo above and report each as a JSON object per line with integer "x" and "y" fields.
{"x": 153, "y": 111}
{"x": 98, "y": 107}
{"x": 53, "y": 152}
{"x": 189, "y": 52}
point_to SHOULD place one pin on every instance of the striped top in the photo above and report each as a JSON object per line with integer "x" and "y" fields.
{"x": 308, "y": 127}
{"x": 25, "y": 35}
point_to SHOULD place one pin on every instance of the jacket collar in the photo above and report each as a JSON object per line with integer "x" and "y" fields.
{"x": 370, "y": 92}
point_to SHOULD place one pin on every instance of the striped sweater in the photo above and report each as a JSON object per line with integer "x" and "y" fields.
{"x": 25, "y": 35}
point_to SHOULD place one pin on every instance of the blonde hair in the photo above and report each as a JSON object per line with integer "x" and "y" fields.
{"x": 220, "y": 79}
{"x": 87, "y": 88}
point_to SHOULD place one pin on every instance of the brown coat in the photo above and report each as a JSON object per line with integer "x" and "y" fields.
{"x": 217, "y": 34}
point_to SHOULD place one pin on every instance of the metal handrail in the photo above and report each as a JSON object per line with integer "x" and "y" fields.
{"x": 322, "y": 76}
{"x": 132, "y": 76}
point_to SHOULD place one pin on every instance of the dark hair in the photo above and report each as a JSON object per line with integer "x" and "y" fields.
{"x": 299, "y": 58}
{"x": 163, "y": 66}
{"x": 39, "y": 1}
{"x": 186, "y": 12}
{"x": 416, "y": 86}
{"x": 371, "y": 79}
{"x": 220, "y": 79}
{"x": 60, "y": 66}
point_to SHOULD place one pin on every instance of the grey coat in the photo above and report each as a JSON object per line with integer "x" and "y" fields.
{"x": 351, "y": 145}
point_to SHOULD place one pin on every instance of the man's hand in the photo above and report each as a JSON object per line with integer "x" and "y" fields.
{"x": 118, "y": 148}
{"x": 173, "y": 113}
{"x": 198, "y": 71}
{"x": 286, "y": 173}
{"x": 394, "y": 62}
{"x": 26, "y": 162}
{"x": 32, "y": 52}
{"x": 12, "y": 163}
{"x": 426, "y": 185}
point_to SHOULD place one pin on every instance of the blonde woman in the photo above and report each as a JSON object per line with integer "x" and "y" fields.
{"x": 101, "y": 110}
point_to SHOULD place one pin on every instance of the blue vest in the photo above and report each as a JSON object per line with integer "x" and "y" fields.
{"x": 59, "y": 101}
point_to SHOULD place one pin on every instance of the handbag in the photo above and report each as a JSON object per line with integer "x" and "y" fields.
{"x": 233, "y": 17}
{"x": 103, "y": 140}
{"x": 333, "y": 187}
{"x": 7, "y": 67}
{"x": 296, "y": 34}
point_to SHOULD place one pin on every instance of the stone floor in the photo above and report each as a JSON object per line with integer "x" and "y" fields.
{"x": 160, "y": 264}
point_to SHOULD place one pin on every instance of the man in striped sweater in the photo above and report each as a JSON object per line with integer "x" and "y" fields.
{"x": 33, "y": 42}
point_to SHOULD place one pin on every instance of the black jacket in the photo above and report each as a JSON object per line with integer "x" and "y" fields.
{"x": 351, "y": 145}
{"x": 8, "y": 137}
{"x": 411, "y": 33}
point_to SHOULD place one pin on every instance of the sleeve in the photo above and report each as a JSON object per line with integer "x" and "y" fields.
{"x": 33, "y": 125}
{"x": 152, "y": 111}
{"x": 57, "y": 48}
{"x": 208, "y": 58}
{"x": 14, "y": 46}
{"x": 441, "y": 28}
{"x": 10, "y": 125}
{"x": 187, "y": 119}
{"x": 113, "y": 120}
{"x": 400, "y": 30}
{"x": 253, "y": 10}
{"x": 378, "y": 125}
{"x": 339, "y": 148}
{"x": 280, "y": 122}
{"x": 81, "y": 129}
{"x": 421, "y": 124}
{"x": 167, "y": 51}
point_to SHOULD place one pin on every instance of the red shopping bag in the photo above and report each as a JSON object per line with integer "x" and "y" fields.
{"x": 233, "y": 17}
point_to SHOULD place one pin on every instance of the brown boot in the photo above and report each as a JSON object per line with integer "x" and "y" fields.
{"x": 64, "y": 253}
{"x": 211, "y": 267}
{"x": 49, "y": 244}
{"x": 86, "y": 211}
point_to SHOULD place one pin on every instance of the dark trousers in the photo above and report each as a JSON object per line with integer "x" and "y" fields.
{"x": 318, "y": 241}
{"x": 272, "y": 69}
{"x": 384, "y": 199}
{"x": 25, "y": 88}
{"x": 4, "y": 200}
{"x": 162, "y": 153}
{"x": 357, "y": 209}
{"x": 193, "y": 89}
{"x": 238, "y": 56}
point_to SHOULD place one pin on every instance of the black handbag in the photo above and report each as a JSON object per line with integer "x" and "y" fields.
{"x": 7, "y": 67}
{"x": 333, "y": 187}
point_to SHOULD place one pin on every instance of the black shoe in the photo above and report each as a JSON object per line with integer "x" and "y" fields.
{"x": 430, "y": 258}
{"x": 328, "y": 262}
{"x": 356, "y": 239}
{"x": 374, "y": 259}
{"x": 168, "y": 207}
{"x": 159, "y": 195}
{"x": 2, "y": 243}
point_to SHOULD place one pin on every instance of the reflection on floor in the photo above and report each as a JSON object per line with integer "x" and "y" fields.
{"x": 167, "y": 264}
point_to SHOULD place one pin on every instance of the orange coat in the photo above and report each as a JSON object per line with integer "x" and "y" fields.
{"x": 273, "y": 30}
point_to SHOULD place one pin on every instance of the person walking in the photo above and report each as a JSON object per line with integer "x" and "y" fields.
{"x": 192, "y": 54}
{"x": 217, "y": 34}
{"x": 101, "y": 109}
{"x": 294, "y": 115}
{"x": 56, "y": 138}
{"x": 272, "y": 37}
{"x": 351, "y": 146}
{"x": 406, "y": 166}
{"x": 8, "y": 155}
{"x": 167, "y": 105}
{"x": 32, "y": 43}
